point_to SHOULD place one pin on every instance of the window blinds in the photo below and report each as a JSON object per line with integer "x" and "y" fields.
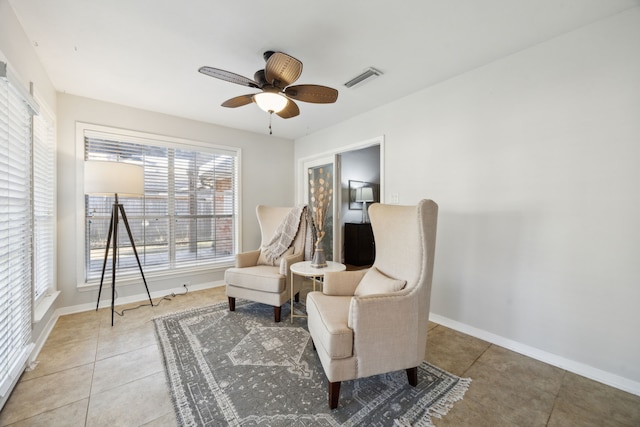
{"x": 44, "y": 192}
{"x": 15, "y": 233}
{"x": 187, "y": 216}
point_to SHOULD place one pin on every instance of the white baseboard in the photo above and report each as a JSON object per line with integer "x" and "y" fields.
{"x": 104, "y": 303}
{"x": 573, "y": 366}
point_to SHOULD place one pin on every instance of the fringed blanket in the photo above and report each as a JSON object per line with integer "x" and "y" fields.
{"x": 298, "y": 220}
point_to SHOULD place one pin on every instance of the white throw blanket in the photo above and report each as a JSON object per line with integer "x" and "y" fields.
{"x": 296, "y": 221}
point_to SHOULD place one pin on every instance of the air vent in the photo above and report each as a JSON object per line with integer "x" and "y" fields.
{"x": 367, "y": 75}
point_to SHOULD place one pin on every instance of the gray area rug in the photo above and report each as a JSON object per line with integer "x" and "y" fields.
{"x": 241, "y": 368}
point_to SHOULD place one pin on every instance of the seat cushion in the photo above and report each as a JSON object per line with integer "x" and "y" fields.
{"x": 263, "y": 278}
{"x": 328, "y": 324}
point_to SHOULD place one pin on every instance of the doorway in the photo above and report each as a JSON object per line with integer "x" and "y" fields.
{"x": 364, "y": 163}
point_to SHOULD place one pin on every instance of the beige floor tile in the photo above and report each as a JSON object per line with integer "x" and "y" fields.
{"x": 39, "y": 395}
{"x": 513, "y": 400}
{"x": 468, "y": 413}
{"x": 75, "y": 327}
{"x": 168, "y": 420}
{"x": 56, "y": 356}
{"x": 70, "y": 415}
{"x": 133, "y": 404}
{"x": 566, "y": 414}
{"x": 189, "y": 301}
{"x": 522, "y": 369}
{"x": 123, "y": 368}
{"x": 173, "y": 307}
{"x": 119, "y": 340}
{"x": 127, "y": 316}
{"x": 600, "y": 401}
{"x": 453, "y": 351}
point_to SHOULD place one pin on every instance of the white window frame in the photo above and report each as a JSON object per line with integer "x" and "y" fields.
{"x": 152, "y": 139}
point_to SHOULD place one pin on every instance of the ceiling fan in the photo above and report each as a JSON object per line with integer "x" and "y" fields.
{"x": 277, "y": 96}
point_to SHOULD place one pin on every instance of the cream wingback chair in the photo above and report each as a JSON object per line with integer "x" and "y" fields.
{"x": 258, "y": 279}
{"x": 369, "y": 322}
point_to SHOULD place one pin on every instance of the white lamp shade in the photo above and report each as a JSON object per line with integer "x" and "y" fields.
{"x": 270, "y": 102}
{"x": 364, "y": 194}
{"x": 113, "y": 178}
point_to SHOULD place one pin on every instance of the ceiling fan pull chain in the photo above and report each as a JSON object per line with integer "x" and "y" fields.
{"x": 270, "y": 118}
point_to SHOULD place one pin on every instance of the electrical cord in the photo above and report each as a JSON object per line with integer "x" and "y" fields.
{"x": 167, "y": 297}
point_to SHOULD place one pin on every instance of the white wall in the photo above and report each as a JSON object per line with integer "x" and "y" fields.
{"x": 22, "y": 56}
{"x": 534, "y": 161}
{"x": 266, "y": 179}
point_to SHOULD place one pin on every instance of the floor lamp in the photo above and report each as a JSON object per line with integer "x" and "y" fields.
{"x": 113, "y": 178}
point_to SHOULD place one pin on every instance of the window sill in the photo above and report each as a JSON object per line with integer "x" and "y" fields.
{"x": 43, "y": 305}
{"x": 135, "y": 279}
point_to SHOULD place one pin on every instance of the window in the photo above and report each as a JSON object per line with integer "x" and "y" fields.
{"x": 187, "y": 216}
{"x": 15, "y": 232}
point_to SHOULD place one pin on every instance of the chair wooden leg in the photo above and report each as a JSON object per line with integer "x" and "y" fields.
{"x": 334, "y": 394}
{"x": 412, "y": 376}
{"x": 232, "y": 304}
{"x": 276, "y": 314}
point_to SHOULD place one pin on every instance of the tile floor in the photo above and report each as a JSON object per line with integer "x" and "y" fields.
{"x": 92, "y": 374}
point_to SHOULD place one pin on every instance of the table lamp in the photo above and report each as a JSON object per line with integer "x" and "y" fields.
{"x": 113, "y": 178}
{"x": 364, "y": 195}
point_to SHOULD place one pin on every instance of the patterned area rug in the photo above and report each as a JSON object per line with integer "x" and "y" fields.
{"x": 241, "y": 368}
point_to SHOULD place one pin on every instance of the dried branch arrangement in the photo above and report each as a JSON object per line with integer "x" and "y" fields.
{"x": 321, "y": 192}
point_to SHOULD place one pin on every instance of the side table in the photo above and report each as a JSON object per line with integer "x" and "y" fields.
{"x": 304, "y": 269}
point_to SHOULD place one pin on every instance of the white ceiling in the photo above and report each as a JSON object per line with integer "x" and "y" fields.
{"x": 146, "y": 53}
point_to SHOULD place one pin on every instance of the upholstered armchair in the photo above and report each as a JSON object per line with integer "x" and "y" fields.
{"x": 257, "y": 277}
{"x": 369, "y": 322}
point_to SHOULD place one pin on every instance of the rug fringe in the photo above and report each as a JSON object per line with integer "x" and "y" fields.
{"x": 440, "y": 408}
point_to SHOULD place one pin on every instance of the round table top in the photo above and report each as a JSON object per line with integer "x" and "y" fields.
{"x": 304, "y": 268}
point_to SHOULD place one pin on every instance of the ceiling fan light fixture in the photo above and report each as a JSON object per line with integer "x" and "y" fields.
{"x": 270, "y": 102}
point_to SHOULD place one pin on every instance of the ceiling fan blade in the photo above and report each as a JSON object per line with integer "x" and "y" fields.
{"x": 312, "y": 93}
{"x": 228, "y": 76}
{"x": 238, "y": 101}
{"x": 282, "y": 70}
{"x": 290, "y": 110}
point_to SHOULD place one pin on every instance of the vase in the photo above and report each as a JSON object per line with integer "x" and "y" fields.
{"x": 318, "y": 261}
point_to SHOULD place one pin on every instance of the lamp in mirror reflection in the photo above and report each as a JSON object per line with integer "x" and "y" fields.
{"x": 364, "y": 195}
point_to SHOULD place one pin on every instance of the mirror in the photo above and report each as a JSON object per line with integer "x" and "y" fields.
{"x": 360, "y": 192}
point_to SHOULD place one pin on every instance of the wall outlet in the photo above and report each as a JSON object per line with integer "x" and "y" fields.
{"x": 395, "y": 199}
